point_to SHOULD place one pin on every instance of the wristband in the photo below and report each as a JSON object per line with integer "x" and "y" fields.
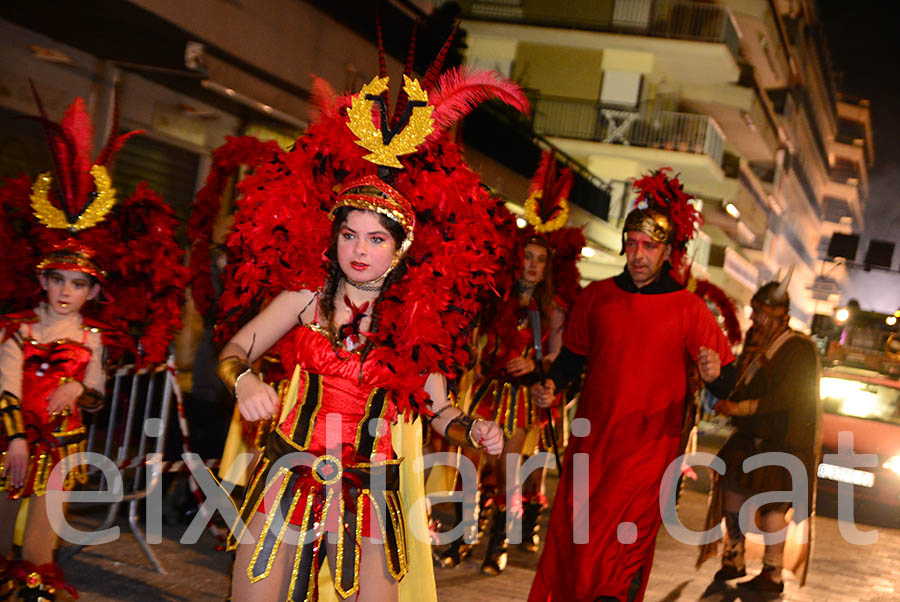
{"x": 459, "y": 431}
{"x": 239, "y": 377}
{"x": 231, "y": 369}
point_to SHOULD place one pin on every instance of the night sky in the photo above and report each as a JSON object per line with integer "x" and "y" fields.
{"x": 864, "y": 39}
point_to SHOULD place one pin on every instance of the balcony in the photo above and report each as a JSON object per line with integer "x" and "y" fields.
{"x": 668, "y": 130}
{"x": 656, "y": 18}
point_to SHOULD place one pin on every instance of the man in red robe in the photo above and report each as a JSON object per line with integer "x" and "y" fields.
{"x": 636, "y": 334}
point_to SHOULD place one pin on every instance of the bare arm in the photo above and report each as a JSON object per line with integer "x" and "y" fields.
{"x": 95, "y": 375}
{"x": 554, "y": 341}
{"x": 11, "y": 366}
{"x": 256, "y": 400}
{"x": 268, "y": 326}
{"x": 453, "y": 424}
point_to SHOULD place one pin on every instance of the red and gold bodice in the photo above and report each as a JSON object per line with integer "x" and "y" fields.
{"x": 336, "y": 388}
{"x": 45, "y": 366}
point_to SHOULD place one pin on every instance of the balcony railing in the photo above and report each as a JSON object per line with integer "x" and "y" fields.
{"x": 658, "y": 18}
{"x": 572, "y": 118}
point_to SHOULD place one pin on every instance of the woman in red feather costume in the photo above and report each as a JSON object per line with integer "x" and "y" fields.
{"x": 52, "y": 353}
{"x": 373, "y": 278}
{"x": 547, "y": 253}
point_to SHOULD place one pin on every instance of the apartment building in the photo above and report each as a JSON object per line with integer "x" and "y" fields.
{"x": 736, "y": 96}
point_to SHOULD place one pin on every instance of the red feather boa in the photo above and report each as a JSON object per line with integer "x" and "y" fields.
{"x": 227, "y": 159}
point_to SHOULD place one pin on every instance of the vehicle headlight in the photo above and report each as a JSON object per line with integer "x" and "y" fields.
{"x": 893, "y": 464}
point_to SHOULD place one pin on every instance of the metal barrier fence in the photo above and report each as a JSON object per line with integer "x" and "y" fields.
{"x": 145, "y": 394}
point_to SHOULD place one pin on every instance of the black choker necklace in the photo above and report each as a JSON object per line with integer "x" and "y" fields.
{"x": 364, "y": 286}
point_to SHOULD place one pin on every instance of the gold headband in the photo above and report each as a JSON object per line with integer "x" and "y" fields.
{"x": 76, "y": 260}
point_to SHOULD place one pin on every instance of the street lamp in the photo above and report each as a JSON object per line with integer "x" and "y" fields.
{"x": 841, "y": 315}
{"x": 732, "y": 210}
{"x": 890, "y": 320}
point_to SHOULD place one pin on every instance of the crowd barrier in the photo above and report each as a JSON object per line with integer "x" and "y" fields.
{"x": 146, "y": 394}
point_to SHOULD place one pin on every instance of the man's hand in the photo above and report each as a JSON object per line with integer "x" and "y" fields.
{"x": 16, "y": 465}
{"x": 734, "y": 408}
{"x": 519, "y": 366}
{"x": 65, "y": 398}
{"x": 709, "y": 364}
{"x": 489, "y": 436}
{"x": 543, "y": 393}
{"x": 256, "y": 400}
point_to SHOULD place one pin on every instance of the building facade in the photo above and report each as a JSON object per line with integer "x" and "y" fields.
{"x": 736, "y": 96}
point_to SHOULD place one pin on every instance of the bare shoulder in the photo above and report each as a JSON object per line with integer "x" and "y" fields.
{"x": 294, "y": 302}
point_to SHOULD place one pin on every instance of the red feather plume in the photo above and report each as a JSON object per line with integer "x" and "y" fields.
{"x": 322, "y": 98}
{"x": 554, "y": 183}
{"x": 462, "y": 89}
{"x": 135, "y": 244}
{"x": 76, "y": 124}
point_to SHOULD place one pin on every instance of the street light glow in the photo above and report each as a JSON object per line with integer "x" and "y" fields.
{"x": 841, "y": 315}
{"x": 732, "y": 210}
{"x": 890, "y": 320}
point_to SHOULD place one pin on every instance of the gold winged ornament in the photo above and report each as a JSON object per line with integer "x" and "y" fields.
{"x": 52, "y": 217}
{"x": 532, "y": 213}
{"x": 370, "y": 137}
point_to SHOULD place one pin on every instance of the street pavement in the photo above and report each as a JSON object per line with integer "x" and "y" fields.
{"x": 839, "y": 571}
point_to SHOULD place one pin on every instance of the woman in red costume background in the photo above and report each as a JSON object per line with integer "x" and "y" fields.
{"x": 548, "y": 252}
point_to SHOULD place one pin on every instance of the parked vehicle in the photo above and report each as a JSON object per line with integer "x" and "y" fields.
{"x": 865, "y": 405}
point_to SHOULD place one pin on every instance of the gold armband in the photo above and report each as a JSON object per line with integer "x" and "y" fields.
{"x": 459, "y": 431}
{"x": 231, "y": 369}
{"x": 11, "y": 415}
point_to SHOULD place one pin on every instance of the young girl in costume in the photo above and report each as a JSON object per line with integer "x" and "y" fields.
{"x": 375, "y": 275}
{"x": 51, "y": 367}
{"x": 52, "y": 354}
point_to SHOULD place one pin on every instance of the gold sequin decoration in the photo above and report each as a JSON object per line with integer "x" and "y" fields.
{"x": 275, "y": 509}
{"x": 368, "y": 134}
{"x": 53, "y": 217}
{"x": 295, "y": 570}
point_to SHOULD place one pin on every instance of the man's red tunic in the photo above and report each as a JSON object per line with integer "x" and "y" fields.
{"x": 638, "y": 344}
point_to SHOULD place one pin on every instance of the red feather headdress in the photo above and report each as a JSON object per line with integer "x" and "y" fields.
{"x": 71, "y": 219}
{"x": 547, "y": 212}
{"x": 282, "y": 224}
